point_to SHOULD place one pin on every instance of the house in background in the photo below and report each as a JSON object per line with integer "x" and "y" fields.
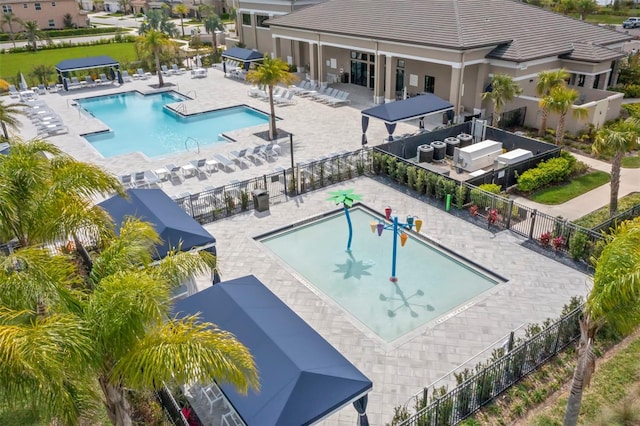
{"x": 48, "y": 14}
{"x": 447, "y": 47}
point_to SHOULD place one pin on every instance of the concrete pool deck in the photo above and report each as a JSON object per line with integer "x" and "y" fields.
{"x": 537, "y": 288}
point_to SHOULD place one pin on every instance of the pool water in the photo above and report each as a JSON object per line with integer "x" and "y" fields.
{"x": 142, "y": 123}
{"x": 430, "y": 281}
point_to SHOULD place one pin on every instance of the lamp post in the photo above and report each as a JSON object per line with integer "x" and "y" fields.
{"x": 293, "y": 170}
{"x": 398, "y": 229}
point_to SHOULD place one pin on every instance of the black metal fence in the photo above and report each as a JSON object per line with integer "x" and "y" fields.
{"x": 498, "y": 376}
{"x": 217, "y": 203}
{"x": 631, "y": 213}
{"x": 513, "y": 118}
{"x": 171, "y": 407}
{"x": 552, "y": 233}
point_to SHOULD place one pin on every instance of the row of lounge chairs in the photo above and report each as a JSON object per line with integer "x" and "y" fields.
{"x": 73, "y": 82}
{"x": 175, "y": 70}
{"x": 45, "y": 120}
{"x": 325, "y": 95}
{"x": 171, "y": 172}
{"x": 280, "y": 96}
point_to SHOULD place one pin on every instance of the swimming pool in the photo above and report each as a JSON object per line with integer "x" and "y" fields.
{"x": 431, "y": 282}
{"x": 143, "y": 123}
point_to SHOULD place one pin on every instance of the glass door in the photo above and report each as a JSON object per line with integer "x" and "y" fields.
{"x": 359, "y": 73}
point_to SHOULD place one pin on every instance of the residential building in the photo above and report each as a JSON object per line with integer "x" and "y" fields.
{"x": 447, "y": 47}
{"x": 48, "y": 14}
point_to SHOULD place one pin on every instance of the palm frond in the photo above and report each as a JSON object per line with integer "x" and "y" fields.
{"x": 185, "y": 350}
{"x": 179, "y": 266}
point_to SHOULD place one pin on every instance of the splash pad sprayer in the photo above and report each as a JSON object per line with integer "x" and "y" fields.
{"x": 398, "y": 229}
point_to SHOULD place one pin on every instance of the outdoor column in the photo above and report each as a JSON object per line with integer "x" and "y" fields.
{"x": 313, "y": 67}
{"x": 588, "y": 81}
{"x": 605, "y": 80}
{"x": 321, "y": 76}
{"x": 276, "y": 47}
{"x": 390, "y": 80}
{"x": 378, "y": 89}
{"x": 454, "y": 89}
{"x": 481, "y": 84}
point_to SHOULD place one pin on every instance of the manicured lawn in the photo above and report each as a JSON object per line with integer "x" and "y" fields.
{"x": 14, "y": 63}
{"x": 578, "y": 186}
{"x": 598, "y": 216}
{"x": 613, "y": 381}
{"x": 631, "y": 162}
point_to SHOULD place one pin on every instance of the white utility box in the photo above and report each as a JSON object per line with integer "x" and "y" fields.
{"x": 513, "y": 157}
{"x": 476, "y": 156}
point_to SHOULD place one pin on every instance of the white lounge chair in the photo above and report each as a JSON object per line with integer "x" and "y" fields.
{"x": 270, "y": 151}
{"x": 254, "y": 154}
{"x": 301, "y": 86}
{"x": 285, "y": 100}
{"x": 240, "y": 157}
{"x": 340, "y": 100}
{"x": 89, "y": 81}
{"x": 126, "y": 77}
{"x": 328, "y": 94}
{"x": 200, "y": 167}
{"x": 125, "y": 180}
{"x": 13, "y": 92}
{"x": 174, "y": 172}
{"x": 226, "y": 163}
{"x": 177, "y": 70}
{"x": 142, "y": 75}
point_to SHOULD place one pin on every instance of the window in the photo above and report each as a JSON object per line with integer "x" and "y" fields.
{"x": 25, "y": 5}
{"x": 38, "y": 6}
{"x": 400, "y": 63}
{"x": 581, "y": 78}
{"x": 52, "y": 23}
{"x": 260, "y": 21}
{"x": 246, "y": 19}
{"x": 429, "y": 84}
{"x": 6, "y": 8}
{"x": 596, "y": 81}
{"x": 53, "y": 3}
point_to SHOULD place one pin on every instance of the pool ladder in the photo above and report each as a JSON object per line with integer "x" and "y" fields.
{"x": 181, "y": 107}
{"x": 186, "y": 141}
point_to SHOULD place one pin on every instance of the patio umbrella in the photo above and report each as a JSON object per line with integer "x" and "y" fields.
{"x": 198, "y": 62}
{"x": 23, "y": 83}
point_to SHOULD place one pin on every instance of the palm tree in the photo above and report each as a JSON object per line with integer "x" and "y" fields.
{"x": 560, "y": 100}
{"x": 585, "y": 8}
{"x": 8, "y": 117}
{"x": 33, "y": 34}
{"x": 182, "y": 10}
{"x": 617, "y": 139}
{"x": 503, "y": 90}
{"x": 42, "y": 72}
{"x": 153, "y": 43}
{"x": 346, "y": 198}
{"x": 123, "y": 338}
{"x": 614, "y": 300}
{"x": 155, "y": 19}
{"x": 9, "y": 18}
{"x": 271, "y": 73}
{"x": 46, "y": 194}
{"x": 547, "y": 80}
{"x": 212, "y": 23}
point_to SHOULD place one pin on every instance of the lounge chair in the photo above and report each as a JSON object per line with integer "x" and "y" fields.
{"x": 282, "y": 95}
{"x": 285, "y": 100}
{"x": 104, "y": 80}
{"x": 174, "y": 172}
{"x": 256, "y": 91}
{"x": 240, "y": 157}
{"x": 53, "y": 88}
{"x": 166, "y": 71}
{"x": 177, "y": 70}
{"x": 126, "y": 77}
{"x": 211, "y": 165}
{"x": 125, "y": 180}
{"x": 140, "y": 180}
{"x": 340, "y": 100}
{"x": 311, "y": 88}
{"x": 265, "y": 96}
{"x": 270, "y": 151}
{"x": 328, "y": 97}
{"x": 301, "y": 86}
{"x": 226, "y": 163}
{"x": 143, "y": 75}
{"x": 254, "y": 154}
{"x": 13, "y": 92}
{"x": 53, "y": 130}
{"x": 89, "y": 81}
{"x": 328, "y": 94}
{"x": 41, "y": 89}
{"x": 200, "y": 167}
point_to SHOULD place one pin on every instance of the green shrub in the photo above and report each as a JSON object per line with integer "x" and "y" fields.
{"x": 401, "y": 172}
{"x": 548, "y": 172}
{"x": 449, "y": 186}
{"x": 430, "y": 185}
{"x": 412, "y": 175}
{"x": 578, "y": 245}
{"x": 421, "y": 181}
{"x": 460, "y": 196}
{"x": 479, "y": 195}
{"x": 440, "y": 187}
{"x": 491, "y": 187}
{"x": 390, "y": 165}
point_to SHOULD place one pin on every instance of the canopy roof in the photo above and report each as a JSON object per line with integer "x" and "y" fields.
{"x": 169, "y": 220}
{"x": 86, "y": 63}
{"x": 244, "y": 55}
{"x": 408, "y": 109}
{"x": 303, "y": 378}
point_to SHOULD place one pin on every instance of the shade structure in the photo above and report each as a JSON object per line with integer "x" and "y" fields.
{"x": 86, "y": 63}
{"x": 394, "y": 112}
{"x": 173, "y": 224}
{"x": 243, "y": 55}
{"x": 303, "y": 378}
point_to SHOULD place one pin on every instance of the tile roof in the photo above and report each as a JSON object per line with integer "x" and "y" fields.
{"x": 521, "y": 31}
{"x": 589, "y": 52}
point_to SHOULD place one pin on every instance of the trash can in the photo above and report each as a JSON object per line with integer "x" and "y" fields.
{"x": 260, "y": 200}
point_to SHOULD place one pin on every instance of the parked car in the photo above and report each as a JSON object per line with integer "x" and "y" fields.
{"x": 631, "y": 23}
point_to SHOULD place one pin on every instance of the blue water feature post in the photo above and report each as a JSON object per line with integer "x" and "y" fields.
{"x": 346, "y": 213}
{"x": 394, "y": 278}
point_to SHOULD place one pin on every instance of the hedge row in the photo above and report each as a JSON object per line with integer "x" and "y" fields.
{"x": 68, "y": 32}
{"x": 548, "y": 172}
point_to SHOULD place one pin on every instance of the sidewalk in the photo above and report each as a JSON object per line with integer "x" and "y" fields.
{"x": 592, "y": 200}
